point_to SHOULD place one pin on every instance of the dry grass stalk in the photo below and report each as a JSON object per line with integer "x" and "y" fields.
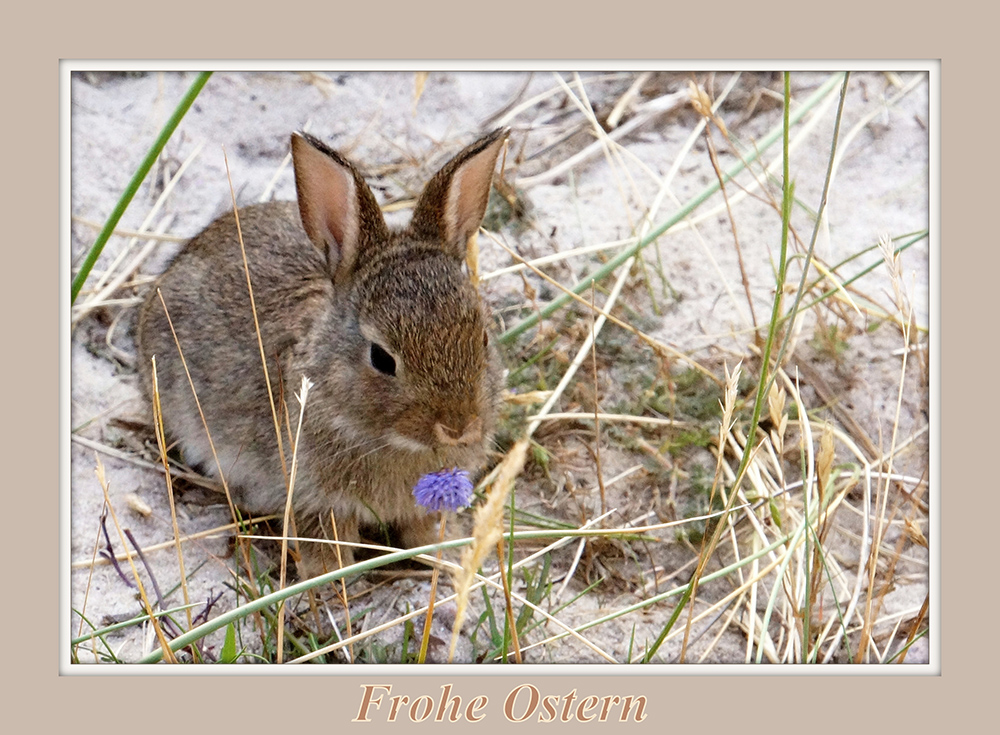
{"x": 125, "y": 232}
{"x": 491, "y": 580}
{"x": 419, "y": 80}
{"x": 725, "y": 427}
{"x": 559, "y": 257}
{"x": 780, "y": 575}
{"x": 342, "y": 592}
{"x": 168, "y": 655}
{"x": 192, "y": 477}
{"x": 209, "y": 533}
{"x": 487, "y": 530}
{"x": 597, "y": 408}
{"x": 875, "y": 596}
{"x": 646, "y": 113}
{"x": 472, "y": 258}
{"x": 102, "y": 292}
{"x": 604, "y": 314}
{"x": 508, "y": 605}
{"x": 626, "y": 100}
{"x": 425, "y": 638}
{"x": 180, "y": 352}
{"x": 90, "y": 580}
{"x": 201, "y": 414}
{"x": 256, "y": 323}
{"x": 102, "y": 297}
{"x": 701, "y": 102}
{"x": 161, "y": 442}
{"x": 303, "y": 396}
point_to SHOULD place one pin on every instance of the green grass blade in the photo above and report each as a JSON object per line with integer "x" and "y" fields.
{"x": 133, "y": 185}
{"x": 765, "y": 143}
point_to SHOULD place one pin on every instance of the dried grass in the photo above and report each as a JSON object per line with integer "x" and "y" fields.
{"x": 809, "y": 523}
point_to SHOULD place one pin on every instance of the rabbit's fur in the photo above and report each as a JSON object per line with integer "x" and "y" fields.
{"x": 385, "y": 324}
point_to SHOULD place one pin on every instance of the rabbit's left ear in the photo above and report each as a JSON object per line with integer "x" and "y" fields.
{"x": 339, "y": 212}
{"x": 453, "y": 203}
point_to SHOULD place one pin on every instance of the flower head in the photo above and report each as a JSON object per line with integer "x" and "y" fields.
{"x": 444, "y": 490}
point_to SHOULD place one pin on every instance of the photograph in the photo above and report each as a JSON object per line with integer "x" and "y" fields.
{"x": 501, "y": 364}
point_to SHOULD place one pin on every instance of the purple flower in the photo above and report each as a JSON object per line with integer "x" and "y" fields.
{"x": 444, "y": 490}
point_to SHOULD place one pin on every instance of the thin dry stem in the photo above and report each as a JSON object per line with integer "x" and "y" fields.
{"x": 487, "y": 530}
{"x": 342, "y": 592}
{"x": 508, "y": 605}
{"x": 256, "y": 323}
{"x": 217, "y": 532}
{"x": 597, "y": 408}
{"x": 902, "y": 303}
{"x": 161, "y": 442}
{"x": 491, "y": 580}
{"x": 201, "y": 414}
{"x": 604, "y": 314}
{"x": 302, "y": 396}
{"x": 168, "y": 655}
{"x": 425, "y": 639}
{"x": 192, "y": 477}
{"x": 102, "y": 291}
{"x": 725, "y": 426}
{"x": 713, "y": 157}
{"x": 90, "y": 580}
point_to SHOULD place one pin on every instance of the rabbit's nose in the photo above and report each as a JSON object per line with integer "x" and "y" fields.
{"x": 471, "y": 434}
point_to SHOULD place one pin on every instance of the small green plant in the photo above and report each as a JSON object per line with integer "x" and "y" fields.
{"x": 537, "y": 586}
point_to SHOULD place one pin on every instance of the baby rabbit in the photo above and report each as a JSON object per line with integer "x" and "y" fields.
{"x": 386, "y": 324}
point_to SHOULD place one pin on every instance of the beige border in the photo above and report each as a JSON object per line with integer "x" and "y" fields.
{"x": 915, "y": 704}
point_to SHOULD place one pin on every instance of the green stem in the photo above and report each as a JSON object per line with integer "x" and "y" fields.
{"x": 766, "y": 378}
{"x": 298, "y": 588}
{"x": 788, "y": 193}
{"x": 626, "y": 254}
{"x": 274, "y": 598}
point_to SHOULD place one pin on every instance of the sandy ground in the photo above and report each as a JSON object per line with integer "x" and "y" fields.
{"x": 880, "y": 187}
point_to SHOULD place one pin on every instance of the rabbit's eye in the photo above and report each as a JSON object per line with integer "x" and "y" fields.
{"x": 382, "y": 360}
{"x": 486, "y": 338}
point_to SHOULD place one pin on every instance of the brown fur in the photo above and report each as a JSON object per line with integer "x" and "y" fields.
{"x": 321, "y": 301}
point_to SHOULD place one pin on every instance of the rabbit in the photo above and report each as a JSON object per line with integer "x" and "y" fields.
{"x": 385, "y": 323}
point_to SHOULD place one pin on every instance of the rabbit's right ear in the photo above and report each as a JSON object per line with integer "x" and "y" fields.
{"x": 453, "y": 203}
{"x": 339, "y": 212}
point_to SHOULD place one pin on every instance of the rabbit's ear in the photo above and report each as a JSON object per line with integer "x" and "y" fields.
{"x": 339, "y": 212}
{"x": 453, "y": 203}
